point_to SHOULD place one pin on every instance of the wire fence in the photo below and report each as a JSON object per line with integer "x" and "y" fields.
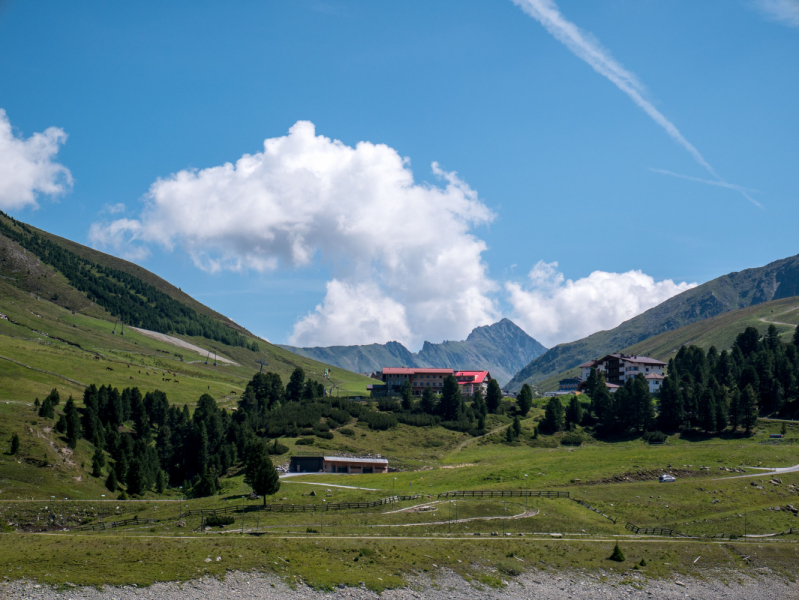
{"x": 596, "y": 510}
{"x": 325, "y": 506}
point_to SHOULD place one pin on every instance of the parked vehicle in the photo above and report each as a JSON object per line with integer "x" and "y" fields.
{"x": 667, "y": 478}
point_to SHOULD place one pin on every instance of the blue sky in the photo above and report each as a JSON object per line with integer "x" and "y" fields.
{"x": 555, "y": 163}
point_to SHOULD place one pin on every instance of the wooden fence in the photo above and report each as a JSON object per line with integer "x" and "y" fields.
{"x": 652, "y": 530}
{"x": 597, "y": 511}
{"x": 504, "y": 494}
{"x": 325, "y": 506}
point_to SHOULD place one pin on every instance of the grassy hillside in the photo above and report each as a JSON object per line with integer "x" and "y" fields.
{"x": 774, "y": 281}
{"x": 719, "y": 331}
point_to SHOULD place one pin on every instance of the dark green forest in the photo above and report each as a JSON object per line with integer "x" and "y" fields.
{"x": 124, "y": 296}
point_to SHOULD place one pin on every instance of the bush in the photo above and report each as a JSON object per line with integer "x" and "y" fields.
{"x": 462, "y": 424}
{"x": 655, "y": 437}
{"x": 218, "y": 520}
{"x": 338, "y": 416}
{"x": 306, "y": 441}
{"x": 305, "y": 431}
{"x": 325, "y": 435}
{"x": 277, "y": 448}
{"x": 346, "y": 431}
{"x": 572, "y": 439}
{"x": 388, "y": 404}
{"x": 417, "y": 420}
{"x": 617, "y": 555}
{"x": 378, "y": 421}
{"x": 509, "y": 569}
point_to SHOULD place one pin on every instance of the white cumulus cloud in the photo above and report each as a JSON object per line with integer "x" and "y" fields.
{"x": 406, "y": 262}
{"x": 554, "y": 309}
{"x": 27, "y": 168}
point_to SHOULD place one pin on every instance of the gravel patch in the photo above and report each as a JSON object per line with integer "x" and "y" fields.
{"x": 445, "y": 586}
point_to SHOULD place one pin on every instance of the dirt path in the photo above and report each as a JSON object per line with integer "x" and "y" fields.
{"x": 765, "y": 320}
{"x": 463, "y": 444}
{"x": 766, "y": 472}
{"x": 168, "y": 339}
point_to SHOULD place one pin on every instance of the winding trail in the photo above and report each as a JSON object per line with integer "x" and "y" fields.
{"x": 765, "y": 320}
{"x": 768, "y": 471}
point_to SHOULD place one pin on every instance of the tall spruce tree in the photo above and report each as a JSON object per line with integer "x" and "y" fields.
{"x": 406, "y": 392}
{"x": 554, "y": 420}
{"x": 73, "y": 423}
{"x": 707, "y": 410}
{"x": 796, "y": 336}
{"x": 735, "y": 409}
{"x": 111, "y": 483}
{"x": 295, "y": 385}
{"x": 671, "y": 415}
{"x": 591, "y": 382}
{"x": 98, "y": 462}
{"x": 643, "y": 410}
{"x": 574, "y": 412}
{"x": 259, "y": 473}
{"x": 14, "y": 444}
{"x": 427, "y": 404}
{"x": 493, "y": 396}
{"x": 748, "y": 408}
{"x": 524, "y": 400}
{"x": 601, "y": 402}
{"x": 450, "y": 405}
{"x": 479, "y": 403}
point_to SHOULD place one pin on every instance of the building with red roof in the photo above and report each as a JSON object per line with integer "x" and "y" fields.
{"x": 471, "y": 381}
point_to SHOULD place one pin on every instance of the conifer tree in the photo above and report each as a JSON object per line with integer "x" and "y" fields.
{"x": 111, "y": 483}
{"x": 428, "y": 402}
{"x": 54, "y": 396}
{"x": 98, "y": 462}
{"x": 796, "y": 336}
{"x": 707, "y": 411}
{"x": 510, "y": 435}
{"x": 591, "y": 382}
{"x": 73, "y": 423}
{"x": 553, "y": 416}
{"x": 517, "y": 426}
{"x": 524, "y": 400}
{"x": 14, "y": 444}
{"x": 735, "y": 409}
{"x": 46, "y": 409}
{"x": 493, "y": 396}
{"x": 481, "y": 422}
{"x": 160, "y": 482}
{"x": 601, "y": 402}
{"x": 671, "y": 413}
{"x": 643, "y": 410}
{"x": 617, "y": 554}
{"x": 295, "y": 384}
{"x": 479, "y": 404}
{"x": 722, "y": 407}
{"x": 748, "y": 408}
{"x": 574, "y": 412}
{"x": 406, "y": 391}
{"x": 450, "y": 405}
{"x": 259, "y": 472}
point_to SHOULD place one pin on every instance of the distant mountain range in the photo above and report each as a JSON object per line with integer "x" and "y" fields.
{"x": 502, "y": 348}
{"x": 774, "y": 281}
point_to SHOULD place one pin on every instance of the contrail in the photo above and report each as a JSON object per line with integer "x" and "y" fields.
{"x": 724, "y": 184}
{"x": 587, "y": 48}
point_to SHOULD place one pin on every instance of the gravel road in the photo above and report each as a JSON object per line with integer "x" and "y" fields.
{"x": 446, "y": 586}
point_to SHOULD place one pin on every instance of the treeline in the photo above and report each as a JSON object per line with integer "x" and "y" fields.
{"x": 124, "y": 296}
{"x": 708, "y": 391}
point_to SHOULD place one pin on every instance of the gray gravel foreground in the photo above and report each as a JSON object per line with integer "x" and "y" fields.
{"x": 446, "y": 586}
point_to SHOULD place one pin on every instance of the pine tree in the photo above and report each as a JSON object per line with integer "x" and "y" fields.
{"x": 479, "y": 404}
{"x": 98, "y": 462}
{"x": 749, "y": 408}
{"x": 428, "y": 402}
{"x": 601, "y": 402}
{"x": 160, "y": 482}
{"x": 450, "y": 404}
{"x": 46, "y": 409}
{"x": 510, "y": 436}
{"x": 54, "y": 397}
{"x": 14, "y": 444}
{"x": 643, "y": 409}
{"x": 553, "y": 416}
{"x": 136, "y": 478}
{"x": 481, "y": 422}
{"x": 735, "y": 409}
{"x": 524, "y": 400}
{"x": 591, "y": 382}
{"x": 617, "y": 555}
{"x": 111, "y": 483}
{"x": 73, "y": 423}
{"x": 259, "y": 472}
{"x": 574, "y": 412}
{"x": 493, "y": 396}
{"x": 406, "y": 391}
{"x": 707, "y": 411}
{"x": 517, "y": 426}
{"x": 294, "y": 387}
{"x": 722, "y": 408}
{"x": 796, "y": 336}
{"x": 671, "y": 414}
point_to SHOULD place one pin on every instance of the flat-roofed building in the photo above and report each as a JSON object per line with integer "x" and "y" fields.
{"x": 419, "y": 378}
{"x": 318, "y": 463}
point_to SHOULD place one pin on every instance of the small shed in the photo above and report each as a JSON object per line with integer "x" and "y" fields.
{"x": 303, "y": 463}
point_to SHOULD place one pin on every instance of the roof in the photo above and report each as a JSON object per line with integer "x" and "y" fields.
{"x": 479, "y": 376}
{"x": 654, "y": 376}
{"x": 590, "y": 363}
{"x": 346, "y": 459}
{"x": 612, "y": 385}
{"x": 644, "y": 360}
{"x": 413, "y": 371}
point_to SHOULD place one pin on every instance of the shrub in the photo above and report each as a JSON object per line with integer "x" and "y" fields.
{"x": 341, "y": 417}
{"x": 346, "y": 431}
{"x": 306, "y": 441}
{"x": 218, "y": 520}
{"x": 311, "y": 530}
{"x": 462, "y": 424}
{"x": 277, "y": 448}
{"x": 655, "y": 437}
{"x": 325, "y": 435}
{"x": 617, "y": 555}
{"x": 509, "y": 569}
{"x": 305, "y": 431}
{"x": 378, "y": 421}
{"x": 572, "y": 439}
{"x": 417, "y": 420}
{"x": 388, "y": 404}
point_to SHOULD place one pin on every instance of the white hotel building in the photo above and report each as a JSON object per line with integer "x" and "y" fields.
{"x": 618, "y": 368}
